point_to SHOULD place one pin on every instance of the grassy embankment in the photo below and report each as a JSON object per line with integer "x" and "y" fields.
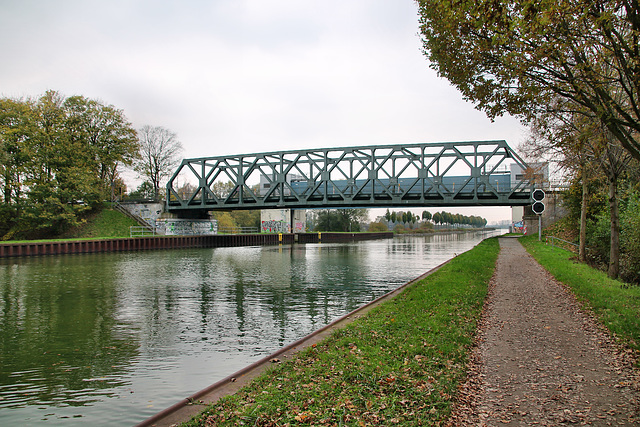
{"x": 615, "y": 304}
{"x": 400, "y": 364}
{"x": 107, "y": 223}
{"x": 103, "y": 224}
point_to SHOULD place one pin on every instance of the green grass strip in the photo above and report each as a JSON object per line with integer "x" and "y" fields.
{"x": 614, "y": 303}
{"x": 13, "y": 242}
{"x": 400, "y": 364}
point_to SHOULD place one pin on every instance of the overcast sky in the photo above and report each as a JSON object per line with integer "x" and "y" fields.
{"x": 244, "y": 76}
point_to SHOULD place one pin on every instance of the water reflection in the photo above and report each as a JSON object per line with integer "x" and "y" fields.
{"x": 61, "y": 343}
{"x": 114, "y": 338}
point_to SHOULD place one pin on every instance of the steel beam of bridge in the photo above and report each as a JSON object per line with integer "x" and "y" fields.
{"x": 409, "y": 175}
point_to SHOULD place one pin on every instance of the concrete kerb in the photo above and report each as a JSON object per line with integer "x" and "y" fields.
{"x": 194, "y": 404}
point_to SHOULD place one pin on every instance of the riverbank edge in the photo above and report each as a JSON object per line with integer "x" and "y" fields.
{"x": 185, "y": 409}
{"x": 124, "y": 244}
{"x": 193, "y": 405}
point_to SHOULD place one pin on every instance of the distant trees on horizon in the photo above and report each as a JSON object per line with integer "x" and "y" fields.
{"x": 437, "y": 218}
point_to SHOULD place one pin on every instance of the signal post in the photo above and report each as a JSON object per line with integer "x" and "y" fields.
{"x": 538, "y": 207}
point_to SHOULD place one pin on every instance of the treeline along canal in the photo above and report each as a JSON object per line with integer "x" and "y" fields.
{"x": 111, "y": 339}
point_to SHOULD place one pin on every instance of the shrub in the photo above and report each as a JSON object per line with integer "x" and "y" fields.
{"x": 377, "y": 227}
{"x": 7, "y": 218}
{"x": 599, "y": 240}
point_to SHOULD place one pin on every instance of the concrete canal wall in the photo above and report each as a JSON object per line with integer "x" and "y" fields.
{"x": 25, "y": 249}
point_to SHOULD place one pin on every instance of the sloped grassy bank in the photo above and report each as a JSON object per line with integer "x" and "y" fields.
{"x": 400, "y": 364}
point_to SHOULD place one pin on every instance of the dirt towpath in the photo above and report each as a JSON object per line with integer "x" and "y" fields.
{"x": 540, "y": 359}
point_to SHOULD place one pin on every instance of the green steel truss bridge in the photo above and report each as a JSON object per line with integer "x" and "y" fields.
{"x": 408, "y": 175}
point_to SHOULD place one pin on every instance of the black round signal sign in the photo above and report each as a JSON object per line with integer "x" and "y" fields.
{"x": 537, "y": 195}
{"x": 537, "y": 208}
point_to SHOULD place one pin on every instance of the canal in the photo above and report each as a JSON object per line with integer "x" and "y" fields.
{"x": 111, "y": 339}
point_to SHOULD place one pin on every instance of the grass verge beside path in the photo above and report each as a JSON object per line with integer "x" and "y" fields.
{"x": 400, "y": 364}
{"x": 614, "y": 303}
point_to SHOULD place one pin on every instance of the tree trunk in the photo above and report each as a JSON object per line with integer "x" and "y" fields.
{"x": 7, "y": 194}
{"x": 8, "y": 186}
{"x": 614, "y": 253}
{"x": 582, "y": 255}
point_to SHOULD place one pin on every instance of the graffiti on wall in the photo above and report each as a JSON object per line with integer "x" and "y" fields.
{"x": 273, "y": 226}
{"x": 186, "y": 227}
{"x": 149, "y": 212}
{"x": 299, "y": 227}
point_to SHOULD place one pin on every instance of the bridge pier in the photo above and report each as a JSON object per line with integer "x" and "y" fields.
{"x": 283, "y": 221}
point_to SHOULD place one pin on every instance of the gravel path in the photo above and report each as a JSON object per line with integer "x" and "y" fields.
{"x": 540, "y": 360}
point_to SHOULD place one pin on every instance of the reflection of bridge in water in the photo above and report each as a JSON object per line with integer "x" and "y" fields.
{"x": 477, "y": 173}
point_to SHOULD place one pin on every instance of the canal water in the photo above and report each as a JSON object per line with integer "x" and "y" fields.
{"x": 111, "y": 339}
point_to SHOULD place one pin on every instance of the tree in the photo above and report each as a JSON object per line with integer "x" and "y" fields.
{"x": 557, "y": 135}
{"x": 104, "y": 135}
{"x": 437, "y": 218}
{"x": 246, "y": 218}
{"x": 426, "y": 215}
{"x": 159, "y": 151}
{"x": 58, "y": 159}
{"x": 59, "y": 183}
{"x": 144, "y": 191}
{"x": 446, "y": 218}
{"x": 225, "y": 222}
{"x": 515, "y": 56}
{"x": 584, "y": 143}
{"x": 340, "y": 219}
{"x": 186, "y": 190}
{"x": 15, "y": 130}
{"x": 410, "y": 217}
{"x": 222, "y": 189}
{"x": 613, "y": 161}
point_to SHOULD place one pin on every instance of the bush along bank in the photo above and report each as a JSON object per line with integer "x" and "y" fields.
{"x": 400, "y": 364}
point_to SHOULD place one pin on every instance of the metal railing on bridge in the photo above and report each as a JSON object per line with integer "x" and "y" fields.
{"x": 440, "y": 174}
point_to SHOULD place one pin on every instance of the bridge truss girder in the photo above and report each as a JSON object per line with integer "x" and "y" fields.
{"x": 409, "y": 175}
